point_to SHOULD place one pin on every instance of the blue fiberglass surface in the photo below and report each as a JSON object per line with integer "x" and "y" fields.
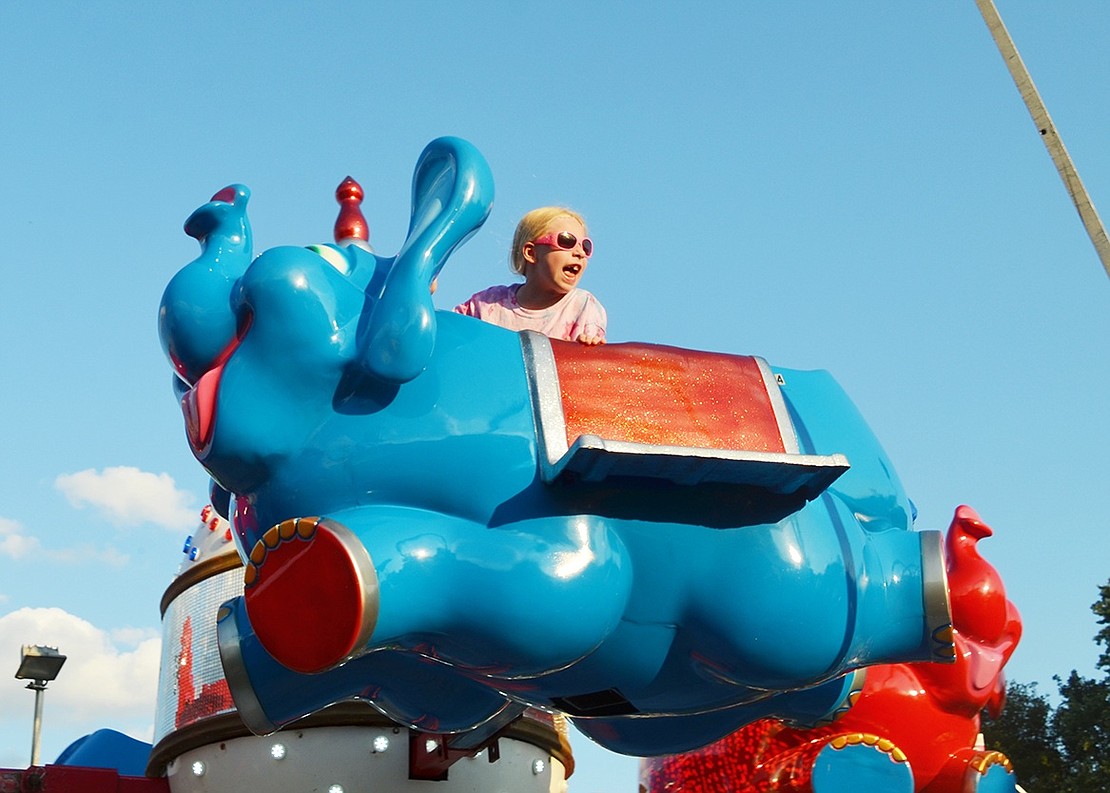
{"x": 107, "y": 749}
{"x": 318, "y": 382}
{"x": 826, "y": 420}
{"x": 996, "y": 780}
{"x": 857, "y": 768}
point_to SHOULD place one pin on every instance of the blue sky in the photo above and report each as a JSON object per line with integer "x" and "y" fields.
{"x": 853, "y": 187}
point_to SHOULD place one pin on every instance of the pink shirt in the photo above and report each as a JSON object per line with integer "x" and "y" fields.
{"x": 577, "y": 313}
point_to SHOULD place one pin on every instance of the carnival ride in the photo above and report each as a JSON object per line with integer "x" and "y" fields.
{"x": 412, "y": 489}
{"x": 452, "y": 537}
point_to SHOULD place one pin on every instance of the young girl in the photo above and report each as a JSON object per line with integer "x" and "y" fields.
{"x": 551, "y": 250}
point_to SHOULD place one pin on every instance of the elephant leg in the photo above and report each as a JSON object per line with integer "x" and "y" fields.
{"x": 411, "y": 690}
{"x": 904, "y": 612}
{"x": 320, "y": 591}
{"x": 524, "y": 599}
{"x": 658, "y": 735}
{"x": 803, "y": 602}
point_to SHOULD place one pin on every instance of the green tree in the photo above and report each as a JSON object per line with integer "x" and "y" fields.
{"x": 1082, "y": 727}
{"x": 1066, "y": 749}
{"x": 1024, "y": 732}
{"x": 1082, "y": 722}
{"x": 1102, "y": 610}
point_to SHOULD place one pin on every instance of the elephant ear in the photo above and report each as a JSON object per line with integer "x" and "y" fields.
{"x": 452, "y": 193}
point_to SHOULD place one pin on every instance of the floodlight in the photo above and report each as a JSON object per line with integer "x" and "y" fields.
{"x": 40, "y": 665}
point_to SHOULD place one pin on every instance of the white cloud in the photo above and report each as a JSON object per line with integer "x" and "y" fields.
{"x": 128, "y": 497}
{"x": 101, "y": 685}
{"x": 14, "y": 541}
{"x": 89, "y": 554}
{"x": 133, "y": 637}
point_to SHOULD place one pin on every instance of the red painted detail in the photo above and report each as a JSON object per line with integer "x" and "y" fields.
{"x": 351, "y": 223}
{"x": 199, "y": 407}
{"x": 214, "y": 698}
{"x": 210, "y": 518}
{"x": 199, "y": 402}
{"x": 929, "y": 712}
{"x": 185, "y": 691}
{"x": 284, "y": 600}
{"x": 653, "y": 394}
{"x": 76, "y": 779}
{"x": 225, "y": 196}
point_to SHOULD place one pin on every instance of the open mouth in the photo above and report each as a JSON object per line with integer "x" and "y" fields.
{"x": 199, "y": 402}
{"x": 572, "y": 270}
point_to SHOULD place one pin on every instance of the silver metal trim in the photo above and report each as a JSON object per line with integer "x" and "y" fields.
{"x": 778, "y": 406}
{"x": 547, "y": 401}
{"x": 934, "y": 585}
{"x": 367, "y": 583}
{"x": 475, "y": 737}
{"x": 593, "y": 459}
{"x": 235, "y": 672}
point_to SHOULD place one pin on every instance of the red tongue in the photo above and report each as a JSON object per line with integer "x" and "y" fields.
{"x": 199, "y": 407}
{"x": 199, "y": 402}
{"x": 986, "y": 663}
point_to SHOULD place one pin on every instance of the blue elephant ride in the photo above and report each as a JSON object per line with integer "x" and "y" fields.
{"x": 662, "y": 544}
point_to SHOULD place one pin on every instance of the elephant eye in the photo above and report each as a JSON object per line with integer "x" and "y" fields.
{"x": 333, "y": 256}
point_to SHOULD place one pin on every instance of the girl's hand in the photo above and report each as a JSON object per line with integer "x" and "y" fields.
{"x": 592, "y": 339}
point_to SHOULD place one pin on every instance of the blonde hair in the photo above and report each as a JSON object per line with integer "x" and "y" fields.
{"x": 532, "y": 225}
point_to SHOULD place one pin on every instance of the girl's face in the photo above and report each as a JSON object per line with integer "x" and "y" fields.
{"x": 551, "y": 269}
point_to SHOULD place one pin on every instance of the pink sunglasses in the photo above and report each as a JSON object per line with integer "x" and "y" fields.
{"x": 566, "y": 241}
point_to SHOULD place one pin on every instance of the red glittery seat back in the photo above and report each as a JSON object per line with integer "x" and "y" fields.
{"x": 653, "y": 394}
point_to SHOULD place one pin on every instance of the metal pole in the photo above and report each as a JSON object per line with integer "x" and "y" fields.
{"x": 1064, "y": 165}
{"x": 39, "y": 686}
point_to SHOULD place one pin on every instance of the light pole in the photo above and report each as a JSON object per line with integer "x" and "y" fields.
{"x": 40, "y": 665}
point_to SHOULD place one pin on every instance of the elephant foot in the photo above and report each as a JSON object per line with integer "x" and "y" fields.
{"x": 992, "y": 774}
{"x": 861, "y": 761}
{"x": 311, "y": 593}
{"x": 975, "y": 771}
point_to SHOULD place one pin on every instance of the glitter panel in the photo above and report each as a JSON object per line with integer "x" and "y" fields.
{"x": 667, "y": 396}
{"x": 754, "y": 759}
{"x": 191, "y": 684}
